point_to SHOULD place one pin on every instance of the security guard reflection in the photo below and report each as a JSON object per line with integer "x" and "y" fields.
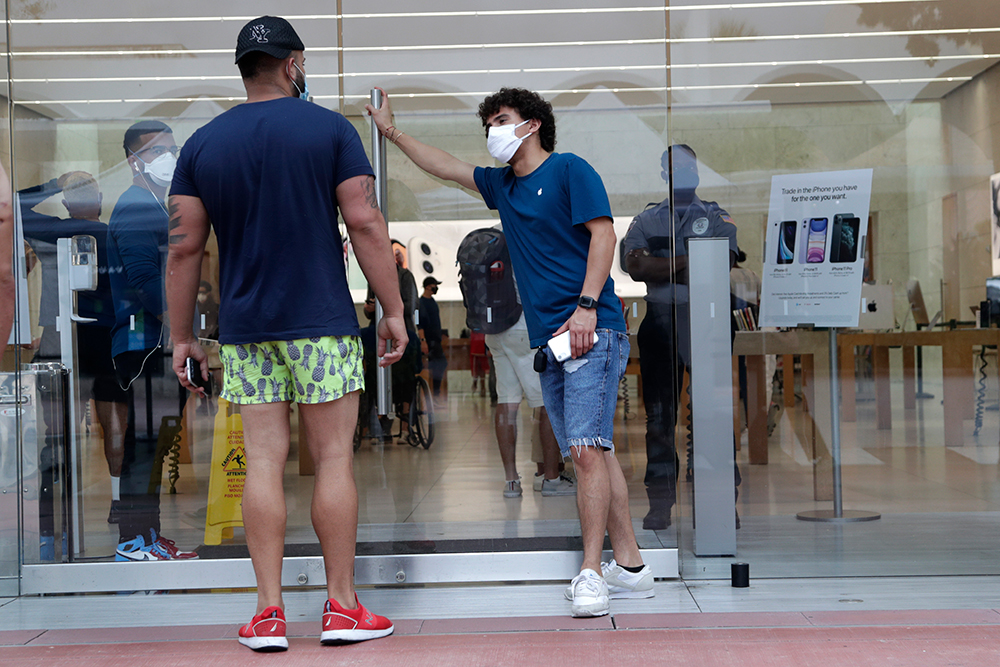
{"x": 655, "y": 252}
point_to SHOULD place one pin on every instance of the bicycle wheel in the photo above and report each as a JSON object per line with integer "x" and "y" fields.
{"x": 422, "y": 413}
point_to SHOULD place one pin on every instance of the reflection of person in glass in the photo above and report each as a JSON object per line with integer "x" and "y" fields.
{"x": 656, "y": 253}
{"x": 137, "y": 245}
{"x": 270, "y": 176}
{"x": 6, "y": 257}
{"x": 82, "y": 198}
{"x": 430, "y": 326}
{"x": 208, "y": 308}
{"x": 404, "y": 370}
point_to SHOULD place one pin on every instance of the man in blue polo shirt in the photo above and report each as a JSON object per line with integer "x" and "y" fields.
{"x": 557, "y": 219}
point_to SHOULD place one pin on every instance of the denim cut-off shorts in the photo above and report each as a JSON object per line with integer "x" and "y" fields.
{"x": 581, "y": 394}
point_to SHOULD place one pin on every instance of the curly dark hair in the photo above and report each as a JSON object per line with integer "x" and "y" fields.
{"x": 529, "y": 105}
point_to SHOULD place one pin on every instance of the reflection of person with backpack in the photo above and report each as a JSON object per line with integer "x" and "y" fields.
{"x": 493, "y": 307}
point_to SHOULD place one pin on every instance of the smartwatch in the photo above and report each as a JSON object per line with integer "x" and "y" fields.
{"x": 587, "y": 302}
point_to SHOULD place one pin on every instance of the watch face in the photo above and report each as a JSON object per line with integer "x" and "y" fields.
{"x": 587, "y": 302}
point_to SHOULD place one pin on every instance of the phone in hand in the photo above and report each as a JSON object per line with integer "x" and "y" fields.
{"x": 193, "y": 369}
{"x": 561, "y": 348}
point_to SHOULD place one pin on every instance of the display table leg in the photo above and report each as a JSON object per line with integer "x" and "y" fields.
{"x": 848, "y": 386}
{"x": 954, "y": 370}
{"x": 788, "y": 374}
{"x": 909, "y": 378}
{"x": 757, "y": 408}
{"x": 883, "y": 396}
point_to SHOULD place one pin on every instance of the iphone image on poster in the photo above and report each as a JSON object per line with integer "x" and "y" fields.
{"x": 786, "y": 241}
{"x": 816, "y": 252}
{"x": 844, "y": 239}
{"x": 803, "y": 242}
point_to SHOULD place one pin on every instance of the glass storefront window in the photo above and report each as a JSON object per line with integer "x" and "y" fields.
{"x": 759, "y": 93}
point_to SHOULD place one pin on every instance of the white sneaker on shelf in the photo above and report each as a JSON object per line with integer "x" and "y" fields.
{"x": 590, "y": 595}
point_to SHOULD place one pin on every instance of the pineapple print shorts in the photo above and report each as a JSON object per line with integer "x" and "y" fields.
{"x": 307, "y": 370}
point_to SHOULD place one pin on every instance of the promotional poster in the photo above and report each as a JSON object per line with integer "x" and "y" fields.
{"x": 817, "y": 228}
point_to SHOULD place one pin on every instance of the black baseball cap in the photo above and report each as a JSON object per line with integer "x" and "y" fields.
{"x": 431, "y": 280}
{"x": 272, "y": 35}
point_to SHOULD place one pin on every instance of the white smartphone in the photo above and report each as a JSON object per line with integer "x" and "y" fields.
{"x": 560, "y": 346}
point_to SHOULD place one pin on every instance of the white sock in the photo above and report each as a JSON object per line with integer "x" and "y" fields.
{"x": 116, "y": 485}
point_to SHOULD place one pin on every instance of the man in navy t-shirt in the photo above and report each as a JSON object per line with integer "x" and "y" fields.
{"x": 269, "y": 177}
{"x": 557, "y": 219}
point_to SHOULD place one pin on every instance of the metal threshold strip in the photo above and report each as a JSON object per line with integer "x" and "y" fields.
{"x": 381, "y": 570}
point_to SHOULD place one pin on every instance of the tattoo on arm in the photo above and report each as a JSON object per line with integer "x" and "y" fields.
{"x": 175, "y": 216}
{"x": 175, "y": 222}
{"x": 369, "y": 186}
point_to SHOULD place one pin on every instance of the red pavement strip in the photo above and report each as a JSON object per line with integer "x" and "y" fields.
{"x": 879, "y": 646}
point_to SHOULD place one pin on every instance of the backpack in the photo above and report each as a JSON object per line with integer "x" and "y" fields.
{"x": 487, "y": 281}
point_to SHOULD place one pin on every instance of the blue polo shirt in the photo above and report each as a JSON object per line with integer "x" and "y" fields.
{"x": 544, "y": 216}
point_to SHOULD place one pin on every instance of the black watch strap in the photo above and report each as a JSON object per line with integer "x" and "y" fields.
{"x": 587, "y": 302}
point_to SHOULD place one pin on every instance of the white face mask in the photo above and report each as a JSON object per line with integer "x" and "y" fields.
{"x": 161, "y": 170}
{"x": 502, "y": 143}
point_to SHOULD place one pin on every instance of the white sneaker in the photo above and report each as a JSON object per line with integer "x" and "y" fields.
{"x": 590, "y": 595}
{"x": 536, "y": 483}
{"x": 623, "y": 584}
{"x": 563, "y": 486}
{"x": 512, "y": 489}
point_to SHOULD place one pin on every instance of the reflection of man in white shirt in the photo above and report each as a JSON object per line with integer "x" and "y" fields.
{"x": 513, "y": 361}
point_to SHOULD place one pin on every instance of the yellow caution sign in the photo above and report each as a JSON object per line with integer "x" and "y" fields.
{"x": 228, "y": 472}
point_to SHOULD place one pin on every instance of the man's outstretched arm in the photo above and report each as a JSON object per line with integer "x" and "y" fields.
{"x": 434, "y": 161}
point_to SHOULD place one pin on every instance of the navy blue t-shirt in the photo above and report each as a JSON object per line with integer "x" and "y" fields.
{"x": 267, "y": 173}
{"x": 137, "y": 252}
{"x": 543, "y": 216}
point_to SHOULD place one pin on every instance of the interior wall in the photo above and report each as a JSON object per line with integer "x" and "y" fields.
{"x": 971, "y": 122}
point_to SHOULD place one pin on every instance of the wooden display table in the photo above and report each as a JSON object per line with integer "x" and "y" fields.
{"x": 814, "y": 349}
{"x": 957, "y": 347}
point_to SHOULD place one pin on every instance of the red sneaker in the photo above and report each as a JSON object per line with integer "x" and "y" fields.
{"x": 170, "y": 548}
{"x": 352, "y": 625}
{"x": 266, "y": 632}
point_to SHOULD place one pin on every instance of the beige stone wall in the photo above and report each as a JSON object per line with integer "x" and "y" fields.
{"x": 971, "y": 120}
